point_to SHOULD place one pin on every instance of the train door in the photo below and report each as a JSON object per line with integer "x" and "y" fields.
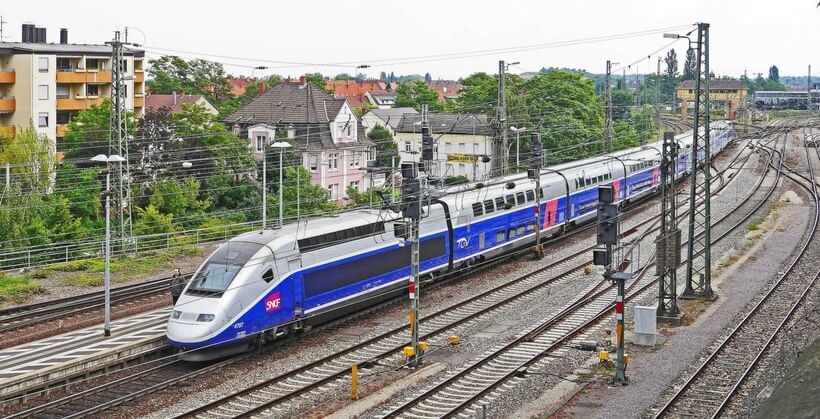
{"x": 287, "y": 265}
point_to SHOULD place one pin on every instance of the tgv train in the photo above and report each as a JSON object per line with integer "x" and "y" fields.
{"x": 265, "y": 284}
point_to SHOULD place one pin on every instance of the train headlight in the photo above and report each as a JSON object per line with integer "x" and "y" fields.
{"x": 176, "y": 314}
{"x": 204, "y": 318}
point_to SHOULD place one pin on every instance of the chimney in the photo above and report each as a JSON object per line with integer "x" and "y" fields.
{"x": 26, "y": 33}
{"x": 41, "y": 35}
{"x": 302, "y": 79}
{"x": 175, "y": 98}
{"x": 262, "y": 88}
{"x": 63, "y": 36}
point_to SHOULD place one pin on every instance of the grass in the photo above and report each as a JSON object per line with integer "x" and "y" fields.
{"x": 754, "y": 226}
{"x": 15, "y": 288}
{"x": 89, "y": 272}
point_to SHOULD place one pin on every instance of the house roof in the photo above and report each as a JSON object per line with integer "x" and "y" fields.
{"x": 304, "y": 106}
{"x": 352, "y": 87}
{"x": 387, "y": 94}
{"x": 239, "y": 84}
{"x": 44, "y": 48}
{"x": 446, "y": 89}
{"x": 715, "y": 84}
{"x": 289, "y": 102}
{"x": 448, "y": 124}
{"x": 392, "y": 116}
{"x": 173, "y": 101}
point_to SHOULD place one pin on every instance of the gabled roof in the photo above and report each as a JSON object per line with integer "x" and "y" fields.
{"x": 392, "y": 116}
{"x": 289, "y": 102}
{"x": 715, "y": 84}
{"x": 352, "y": 87}
{"x": 447, "y": 124}
{"x": 173, "y": 101}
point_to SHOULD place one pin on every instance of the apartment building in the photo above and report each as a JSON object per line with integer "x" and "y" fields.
{"x": 49, "y": 83}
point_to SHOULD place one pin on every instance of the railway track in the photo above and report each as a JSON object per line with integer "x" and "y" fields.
{"x": 278, "y": 391}
{"x": 29, "y": 315}
{"x": 434, "y": 322}
{"x": 466, "y": 388}
{"x": 708, "y": 392}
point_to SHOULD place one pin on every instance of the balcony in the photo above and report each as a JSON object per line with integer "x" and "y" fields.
{"x": 139, "y": 102}
{"x": 139, "y": 76}
{"x": 77, "y": 104}
{"x": 8, "y": 131}
{"x": 61, "y": 129}
{"x": 83, "y": 76}
{"x": 8, "y": 77}
{"x": 7, "y": 105}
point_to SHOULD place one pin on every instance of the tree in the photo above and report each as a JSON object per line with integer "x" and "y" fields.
{"x": 417, "y": 93}
{"x": 31, "y": 157}
{"x": 312, "y": 198}
{"x": 177, "y": 198}
{"x": 151, "y": 221}
{"x": 427, "y": 78}
{"x": 343, "y": 76}
{"x": 690, "y": 66}
{"x": 362, "y": 109}
{"x": 622, "y": 102}
{"x": 392, "y": 77}
{"x": 386, "y": 148}
{"x": 774, "y": 73}
{"x": 88, "y": 132}
{"x": 318, "y": 80}
{"x": 383, "y": 76}
{"x": 671, "y": 61}
{"x": 171, "y": 74}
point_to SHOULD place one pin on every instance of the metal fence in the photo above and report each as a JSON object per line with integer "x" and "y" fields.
{"x": 35, "y": 256}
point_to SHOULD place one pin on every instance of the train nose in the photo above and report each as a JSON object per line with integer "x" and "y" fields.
{"x": 191, "y": 327}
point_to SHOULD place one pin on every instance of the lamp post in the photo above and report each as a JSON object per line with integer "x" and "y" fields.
{"x": 108, "y": 160}
{"x": 281, "y": 145}
{"x": 518, "y": 132}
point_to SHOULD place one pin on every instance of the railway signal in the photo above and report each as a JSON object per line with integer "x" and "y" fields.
{"x": 535, "y": 173}
{"x": 608, "y": 237}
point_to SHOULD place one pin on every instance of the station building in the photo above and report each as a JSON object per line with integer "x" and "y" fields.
{"x": 724, "y": 95}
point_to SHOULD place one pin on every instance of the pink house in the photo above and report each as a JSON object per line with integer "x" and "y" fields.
{"x": 326, "y": 134}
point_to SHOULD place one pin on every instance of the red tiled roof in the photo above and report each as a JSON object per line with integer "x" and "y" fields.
{"x": 349, "y": 88}
{"x": 446, "y": 89}
{"x": 168, "y": 101}
{"x": 238, "y": 85}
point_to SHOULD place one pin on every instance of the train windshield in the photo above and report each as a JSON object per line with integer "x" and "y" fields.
{"x": 223, "y": 265}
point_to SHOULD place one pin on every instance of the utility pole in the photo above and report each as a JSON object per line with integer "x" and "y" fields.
{"x": 658, "y": 98}
{"x": 2, "y": 25}
{"x": 699, "y": 250}
{"x": 608, "y": 100}
{"x": 637, "y": 87}
{"x": 668, "y": 243}
{"x": 501, "y": 160}
{"x": 535, "y": 173}
{"x": 118, "y": 140}
{"x": 808, "y": 88}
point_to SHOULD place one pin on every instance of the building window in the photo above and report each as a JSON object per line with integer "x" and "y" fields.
{"x": 357, "y": 156}
{"x": 333, "y": 161}
{"x": 63, "y": 91}
{"x": 236, "y": 129}
{"x": 333, "y": 191}
{"x": 475, "y": 149}
{"x": 92, "y": 90}
{"x": 42, "y": 120}
{"x": 448, "y": 147}
{"x": 124, "y": 65}
{"x": 260, "y": 142}
{"x": 42, "y": 91}
{"x": 369, "y": 151}
{"x": 462, "y": 148}
{"x": 314, "y": 162}
{"x": 407, "y": 147}
{"x": 63, "y": 64}
{"x": 462, "y": 169}
{"x": 355, "y": 185}
{"x": 42, "y": 64}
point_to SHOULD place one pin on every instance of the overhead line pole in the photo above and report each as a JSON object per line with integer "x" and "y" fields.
{"x": 608, "y": 100}
{"x": 501, "y": 160}
{"x": 699, "y": 251}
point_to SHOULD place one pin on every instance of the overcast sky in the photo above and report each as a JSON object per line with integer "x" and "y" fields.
{"x": 745, "y": 35}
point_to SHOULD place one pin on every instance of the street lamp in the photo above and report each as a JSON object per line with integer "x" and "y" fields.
{"x": 281, "y": 145}
{"x": 517, "y": 132}
{"x": 108, "y": 160}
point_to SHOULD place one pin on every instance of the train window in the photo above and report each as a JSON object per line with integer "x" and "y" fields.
{"x": 488, "y": 206}
{"x": 519, "y": 196}
{"x": 512, "y": 233}
{"x": 478, "y": 210}
{"x": 576, "y": 183}
{"x": 500, "y": 237}
{"x": 336, "y": 237}
{"x": 530, "y": 196}
{"x": 268, "y": 275}
{"x": 522, "y": 230}
{"x": 499, "y": 202}
{"x": 541, "y": 193}
{"x": 531, "y": 226}
{"x": 511, "y": 199}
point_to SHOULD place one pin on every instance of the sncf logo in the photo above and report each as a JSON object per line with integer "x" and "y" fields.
{"x": 274, "y": 302}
